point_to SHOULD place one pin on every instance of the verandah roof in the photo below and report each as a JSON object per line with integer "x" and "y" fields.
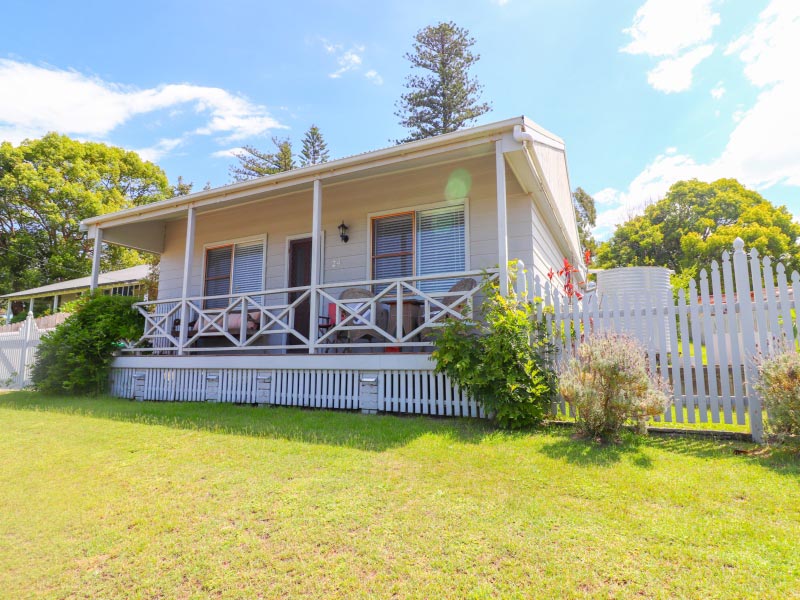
{"x": 112, "y": 278}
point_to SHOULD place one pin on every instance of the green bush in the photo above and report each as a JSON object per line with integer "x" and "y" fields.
{"x": 75, "y": 357}
{"x": 607, "y": 383}
{"x": 779, "y": 386}
{"x": 501, "y": 360}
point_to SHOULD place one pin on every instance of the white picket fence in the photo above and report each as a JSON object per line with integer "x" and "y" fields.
{"x": 18, "y": 343}
{"x": 707, "y": 345}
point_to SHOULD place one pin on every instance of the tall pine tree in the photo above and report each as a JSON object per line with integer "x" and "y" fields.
{"x": 315, "y": 150}
{"x": 257, "y": 163}
{"x": 443, "y": 98}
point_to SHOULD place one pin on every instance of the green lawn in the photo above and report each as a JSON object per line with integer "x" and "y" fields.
{"x": 107, "y": 498}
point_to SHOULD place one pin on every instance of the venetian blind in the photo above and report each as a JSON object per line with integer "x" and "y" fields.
{"x": 248, "y": 267}
{"x": 440, "y": 244}
{"x": 218, "y": 275}
{"x": 393, "y": 246}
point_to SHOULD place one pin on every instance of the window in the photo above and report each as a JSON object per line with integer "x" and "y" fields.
{"x": 423, "y": 242}
{"x": 393, "y": 246}
{"x": 233, "y": 269}
{"x": 126, "y": 290}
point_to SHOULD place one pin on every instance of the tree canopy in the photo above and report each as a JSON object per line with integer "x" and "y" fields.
{"x": 586, "y": 214}
{"x": 258, "y": 163}
{"x": 444, "y": 97}
{"x": 47, "y": 186}
{"x": 695, "y": 222}
{"x": 315, "y": 150}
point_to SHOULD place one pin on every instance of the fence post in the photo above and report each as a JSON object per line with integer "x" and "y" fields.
{"x": 25, "y": 339}
{"x": 742, "y": 278}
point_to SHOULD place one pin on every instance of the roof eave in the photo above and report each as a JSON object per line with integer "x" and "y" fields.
{"x": 400, "y": 152}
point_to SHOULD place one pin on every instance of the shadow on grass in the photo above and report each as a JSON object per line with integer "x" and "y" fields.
{"x": 587, "y": 453}
{"x": 338, "y": 428}
{"x": 782, "y": 458}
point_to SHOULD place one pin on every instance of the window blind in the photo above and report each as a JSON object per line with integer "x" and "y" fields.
{"x": 440, "y": 245}
{"x": 218, "y": 275}
{"x": 248, "y": 267}
{"x": 393, "y": 246}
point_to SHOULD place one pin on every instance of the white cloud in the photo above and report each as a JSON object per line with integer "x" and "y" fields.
{"x": 675, "y": 74}
{"x": 764, "y": 147}
{"x": 161, "y": 148}
{"x": 37, "y": 99}
{"x": 771, "y": 48}
{"x": 229, "y": 153}
{"x": 718, "y": 91}
{"x": 666, "y": 27}
{"x": 349, "y": 60}
{"x": 374, "y": 77}
{"x": 500, "y": 2}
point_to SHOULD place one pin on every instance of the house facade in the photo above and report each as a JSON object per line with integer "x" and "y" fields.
{"x": 322, "y": 286}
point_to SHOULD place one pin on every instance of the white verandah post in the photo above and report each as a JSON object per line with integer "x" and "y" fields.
{"x": 316, "y": 235}
{"x": 98, "y": 250}
{"x": 188, "y": 254}
{"x": 502, "y": 217}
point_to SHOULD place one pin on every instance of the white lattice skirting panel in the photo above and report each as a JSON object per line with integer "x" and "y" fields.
{"x": 387, "y": 390}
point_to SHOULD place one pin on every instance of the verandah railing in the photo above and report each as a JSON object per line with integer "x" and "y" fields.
{"x": 380, "y": 314}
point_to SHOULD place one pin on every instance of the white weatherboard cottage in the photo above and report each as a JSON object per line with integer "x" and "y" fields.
{"x": 321, "y": 286}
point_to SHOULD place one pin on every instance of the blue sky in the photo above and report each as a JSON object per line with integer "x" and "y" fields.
{"x": 643, "y": 92}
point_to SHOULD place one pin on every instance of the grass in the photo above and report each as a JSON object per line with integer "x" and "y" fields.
{"x": 108, "y": 498}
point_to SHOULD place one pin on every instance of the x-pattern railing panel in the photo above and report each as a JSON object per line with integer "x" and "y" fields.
{"x": 273, "y": 312}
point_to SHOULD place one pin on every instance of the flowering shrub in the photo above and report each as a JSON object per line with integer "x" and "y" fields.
{"x": 608, "y": 384}
{"x": 502, "y": 359}
{"x": 779, "y": 386}
{"x": 566, "y": 272}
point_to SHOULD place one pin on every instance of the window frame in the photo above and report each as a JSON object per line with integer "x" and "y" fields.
{"x": 463, "y": 202}
{"x": 232, "y": 243}
{"x": 413, "y": 251}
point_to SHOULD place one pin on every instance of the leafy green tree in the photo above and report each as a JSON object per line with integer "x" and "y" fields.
{"x": 47, "y": 186}
{"x": 255, "y": 163}
{"x": 284, "y": 158}
{"x": 182, "y": 188}
{"x": 444, "y": 98}
{"x": 695, "y": 222}
{"x": 75, "y": 358}
{"x": 315, "y": 150}
{"x": 586, "y": 214}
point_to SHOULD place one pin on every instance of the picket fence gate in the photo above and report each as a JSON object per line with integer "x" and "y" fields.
{"x": 706, "y": 345}
{"x": 18, "y": 343}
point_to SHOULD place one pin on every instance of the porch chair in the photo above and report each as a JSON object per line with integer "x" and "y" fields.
{"x": 456, "y": 290}
{"x": 356, "y": 335}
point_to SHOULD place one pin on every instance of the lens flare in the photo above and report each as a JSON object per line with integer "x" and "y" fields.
{"x": 458, "y": 185}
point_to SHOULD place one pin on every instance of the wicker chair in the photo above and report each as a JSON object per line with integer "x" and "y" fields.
{"x": 457, "y": 290}
{"x": 381, "y": 318}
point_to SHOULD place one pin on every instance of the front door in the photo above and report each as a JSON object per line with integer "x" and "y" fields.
{"x": 300, "y": 276}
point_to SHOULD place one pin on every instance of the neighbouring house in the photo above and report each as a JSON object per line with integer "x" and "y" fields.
{"x": 125, "y": 282}
{"x": 322, "y": 286}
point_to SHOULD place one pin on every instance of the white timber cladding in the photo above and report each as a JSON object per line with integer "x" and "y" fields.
{"x": 354, "y": 202}
{"x": 554, "y": 165}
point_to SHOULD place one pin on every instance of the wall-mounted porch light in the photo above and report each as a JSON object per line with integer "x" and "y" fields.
{"x": 343, "y": 232}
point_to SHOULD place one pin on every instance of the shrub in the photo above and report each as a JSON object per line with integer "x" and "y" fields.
{"x": 501, "y": 360}
{"x": 779, "y": 386}
{"x": 607, "y": 383}
{"x": 75, "y": 357}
